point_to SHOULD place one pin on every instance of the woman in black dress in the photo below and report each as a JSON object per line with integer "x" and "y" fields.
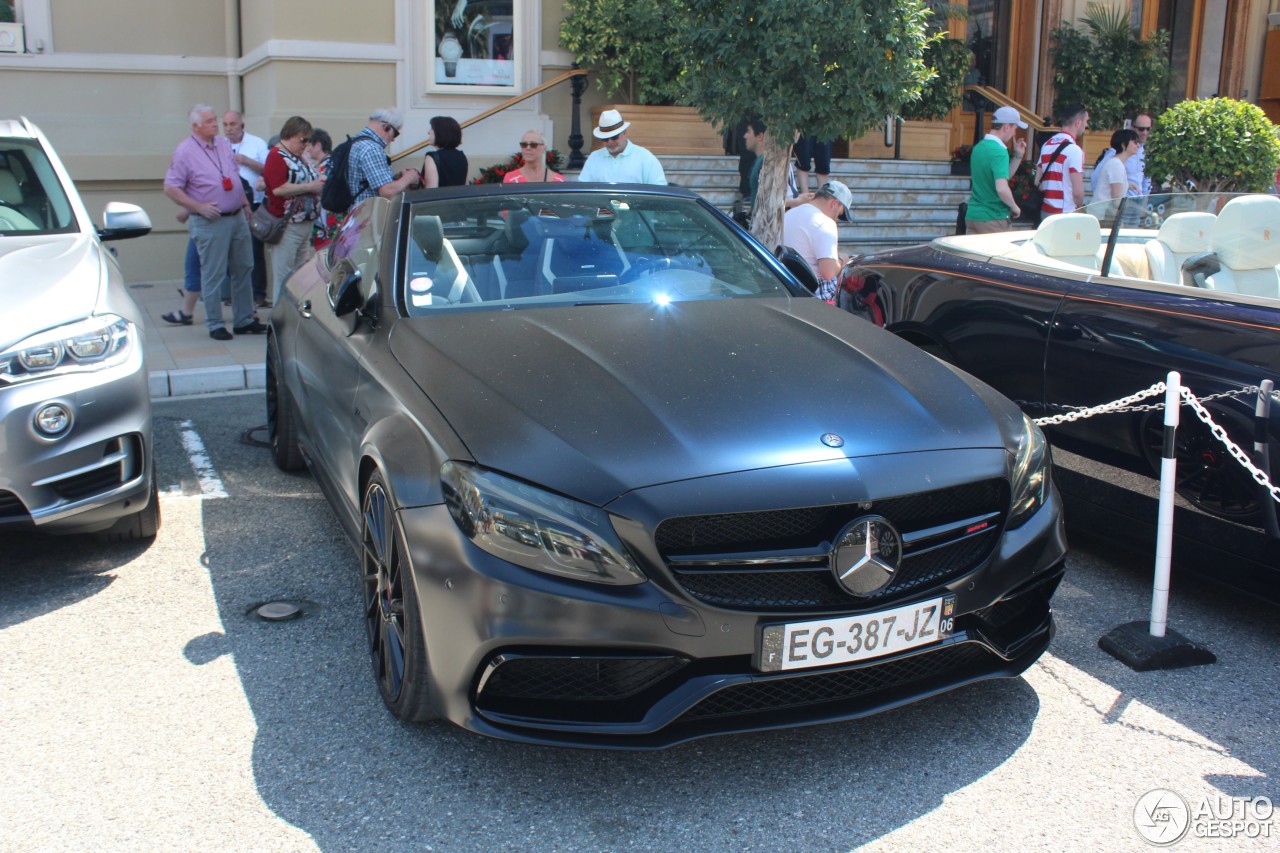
{"x": 446, "y": 166}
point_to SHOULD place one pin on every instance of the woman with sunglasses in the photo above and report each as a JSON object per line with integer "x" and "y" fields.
{"x": 446, "y": 166}
{"x": 533, "y": 162}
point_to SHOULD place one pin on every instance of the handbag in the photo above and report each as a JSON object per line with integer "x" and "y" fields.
{"x": 265, "y": 225}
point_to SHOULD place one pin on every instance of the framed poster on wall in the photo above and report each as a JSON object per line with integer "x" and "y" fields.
{"x": 474, "y": 45}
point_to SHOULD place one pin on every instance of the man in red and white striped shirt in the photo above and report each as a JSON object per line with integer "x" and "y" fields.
{"x": 1062, "y": 180}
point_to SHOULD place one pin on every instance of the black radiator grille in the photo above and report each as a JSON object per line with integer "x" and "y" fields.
{"x": 755, "y": 553}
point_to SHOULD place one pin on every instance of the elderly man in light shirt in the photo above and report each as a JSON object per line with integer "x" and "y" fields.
{"x": 620, "y": 161}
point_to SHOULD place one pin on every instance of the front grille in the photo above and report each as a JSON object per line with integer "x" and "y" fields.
{"x": 779, "y": 694}
{"x": 577, "y": 679}
{"x": 11, "y": 506}
{"x": 779, "y": 560}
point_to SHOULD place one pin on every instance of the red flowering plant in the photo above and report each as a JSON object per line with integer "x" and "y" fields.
{"x": 498, "y": 171}
{"x": 1023, "y": 185}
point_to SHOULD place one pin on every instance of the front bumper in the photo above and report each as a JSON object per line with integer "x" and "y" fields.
{"x": 524, "y": 656}
{"x": 97, "y": 472}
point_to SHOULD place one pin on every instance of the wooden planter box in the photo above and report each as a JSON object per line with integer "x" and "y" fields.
{"x": 663, "y": 130}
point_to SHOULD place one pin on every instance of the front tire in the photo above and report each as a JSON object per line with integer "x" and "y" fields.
{"x": 392, "y": 621}
{"x": 142, "y": 525}
{"x": 282, "y": 423}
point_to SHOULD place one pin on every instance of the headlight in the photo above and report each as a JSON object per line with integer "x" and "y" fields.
{"x": 533, "y": 528}
{"x": 1030, "y": 476}
{"x": 85, "y": 345}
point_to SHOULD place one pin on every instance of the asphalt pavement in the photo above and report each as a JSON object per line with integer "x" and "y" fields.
{"x": 143, "y": 705}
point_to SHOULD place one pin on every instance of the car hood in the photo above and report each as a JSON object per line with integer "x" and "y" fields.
{"x": 46, "y": 282}
{"x": 595, "y": 401}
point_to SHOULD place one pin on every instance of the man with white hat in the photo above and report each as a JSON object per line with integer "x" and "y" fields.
{"x": 991, "y": 201}
{"x": 810, "y": 229}
{"x": 620, "y": 161}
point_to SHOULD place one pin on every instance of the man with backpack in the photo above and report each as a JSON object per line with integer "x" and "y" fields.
{"x": 362, "y": 161}
{"x": 1061, "y": 163}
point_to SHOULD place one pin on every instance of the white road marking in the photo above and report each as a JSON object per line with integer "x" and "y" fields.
{"x": 206, "y": 474}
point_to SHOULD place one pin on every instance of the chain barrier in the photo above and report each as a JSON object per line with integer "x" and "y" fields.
{"x": 1127, "y": 404}
{"x": 1236, "y": 452}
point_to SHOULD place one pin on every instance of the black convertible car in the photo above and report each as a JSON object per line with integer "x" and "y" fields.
{"x": 1097, "y": 305}
{"x": 615, "y": 479}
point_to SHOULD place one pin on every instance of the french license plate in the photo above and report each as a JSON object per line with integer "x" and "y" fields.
{"x": 847, "y": 639}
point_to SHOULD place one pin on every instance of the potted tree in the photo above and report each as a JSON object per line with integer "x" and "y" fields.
{"x": 1105, "y": 66}
{"x": 632, "y": 51}
{"x": 1214, "y": 145}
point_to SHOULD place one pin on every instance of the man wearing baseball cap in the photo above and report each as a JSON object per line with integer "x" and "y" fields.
{"x": 810, "y": 229}
{"x": 991, "y": 201}
{"x": 620, "y": 161}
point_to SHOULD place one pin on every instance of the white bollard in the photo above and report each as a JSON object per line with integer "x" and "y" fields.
{"x": 1164, "y": 524}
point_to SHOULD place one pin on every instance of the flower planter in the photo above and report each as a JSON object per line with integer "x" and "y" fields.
{"x": 959, "y": 167}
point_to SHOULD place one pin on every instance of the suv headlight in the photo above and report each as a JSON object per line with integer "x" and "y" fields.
{"x": 85, "y": 345}
{"x": 1029, "y": 479}
{"x": 534, "y": 528}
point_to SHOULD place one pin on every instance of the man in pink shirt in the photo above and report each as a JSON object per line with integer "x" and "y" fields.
{"x": 204, "y": 179}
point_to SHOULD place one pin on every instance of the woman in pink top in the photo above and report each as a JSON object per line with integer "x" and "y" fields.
{"x": 534, "y": 168}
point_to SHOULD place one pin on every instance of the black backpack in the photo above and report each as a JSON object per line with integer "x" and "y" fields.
{"x": 337, "y": 197}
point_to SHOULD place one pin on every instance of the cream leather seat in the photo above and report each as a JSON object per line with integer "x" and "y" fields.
{"x": 1246, "y": 240}
{"x": 1181, "y": 236}
{"x": 1068, "y": 238}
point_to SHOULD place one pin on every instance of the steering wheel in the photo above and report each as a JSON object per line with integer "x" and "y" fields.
{"x": 645, "y": 266}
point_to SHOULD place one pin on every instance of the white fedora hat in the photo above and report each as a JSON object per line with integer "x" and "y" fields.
{"x": 611, "y": 124}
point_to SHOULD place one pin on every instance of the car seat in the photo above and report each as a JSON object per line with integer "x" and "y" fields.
{"x": 1072, "y": 238}
{"x": 11, "y": 196}
{"x": 1246, "y": 241}
{"x": 1181, "y": 236}
{"x": 443, "y": 279}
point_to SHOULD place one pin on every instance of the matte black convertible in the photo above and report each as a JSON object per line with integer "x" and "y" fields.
{"x": 615, "y": 479}
{"x": 1080, "y": 313}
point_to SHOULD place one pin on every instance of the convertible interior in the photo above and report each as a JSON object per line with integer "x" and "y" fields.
{"x": 1177, "y": 241}
{"x": 526, "y": 249}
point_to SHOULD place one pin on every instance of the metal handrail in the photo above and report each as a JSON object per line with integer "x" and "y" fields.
{"x": 515, "y": 99}
{"x": 1000, "y": 98}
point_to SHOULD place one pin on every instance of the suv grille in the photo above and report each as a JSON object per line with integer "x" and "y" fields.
{"x": 779, "y": 560}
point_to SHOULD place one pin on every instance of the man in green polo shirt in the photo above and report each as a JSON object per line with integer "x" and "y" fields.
{"x": 991, "y": 202}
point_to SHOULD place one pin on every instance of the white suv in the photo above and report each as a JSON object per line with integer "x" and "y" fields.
{"x": 75, "y": 408}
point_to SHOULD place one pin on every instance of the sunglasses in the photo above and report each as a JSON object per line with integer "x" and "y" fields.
{"x": 531, "y": 144}
{"x": 1141, "y": 129}
{"x": 394, "y": 131}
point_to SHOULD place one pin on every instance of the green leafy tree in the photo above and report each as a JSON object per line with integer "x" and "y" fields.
{"x": 1107, "y": 68}
{"x": 948, "y": 60}
{"x": 826, "y": 67}
{"x": 627, "y": 45}
{"x": 1217, "y": 145}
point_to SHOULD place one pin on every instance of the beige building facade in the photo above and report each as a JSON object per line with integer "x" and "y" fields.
{"x": 111, "y": 83}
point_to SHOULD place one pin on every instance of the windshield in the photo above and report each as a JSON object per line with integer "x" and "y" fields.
{"x": 31, "y": 197}
{"x": 567, "y": 248}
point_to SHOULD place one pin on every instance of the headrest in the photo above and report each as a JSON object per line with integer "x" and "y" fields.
{"x": 9, "y": 189}
{"x": 1246, "y": 235}
{"x": 517, "y": 239}
{"x": 428, "y": 233}
{"x": 1187, "y": 233}
{"x": 1068, "y": 235}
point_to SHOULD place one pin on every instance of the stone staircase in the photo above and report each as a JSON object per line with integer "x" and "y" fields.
{"x": 895, "y": 202}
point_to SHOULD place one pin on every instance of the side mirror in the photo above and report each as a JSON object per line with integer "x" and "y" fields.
{"x": 798, "y": 267}
{"x": 349, "y": 298}
{"x": 124, "y": 221}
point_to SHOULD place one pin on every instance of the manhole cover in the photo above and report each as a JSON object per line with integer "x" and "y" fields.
{"x": 279, "y": 611}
